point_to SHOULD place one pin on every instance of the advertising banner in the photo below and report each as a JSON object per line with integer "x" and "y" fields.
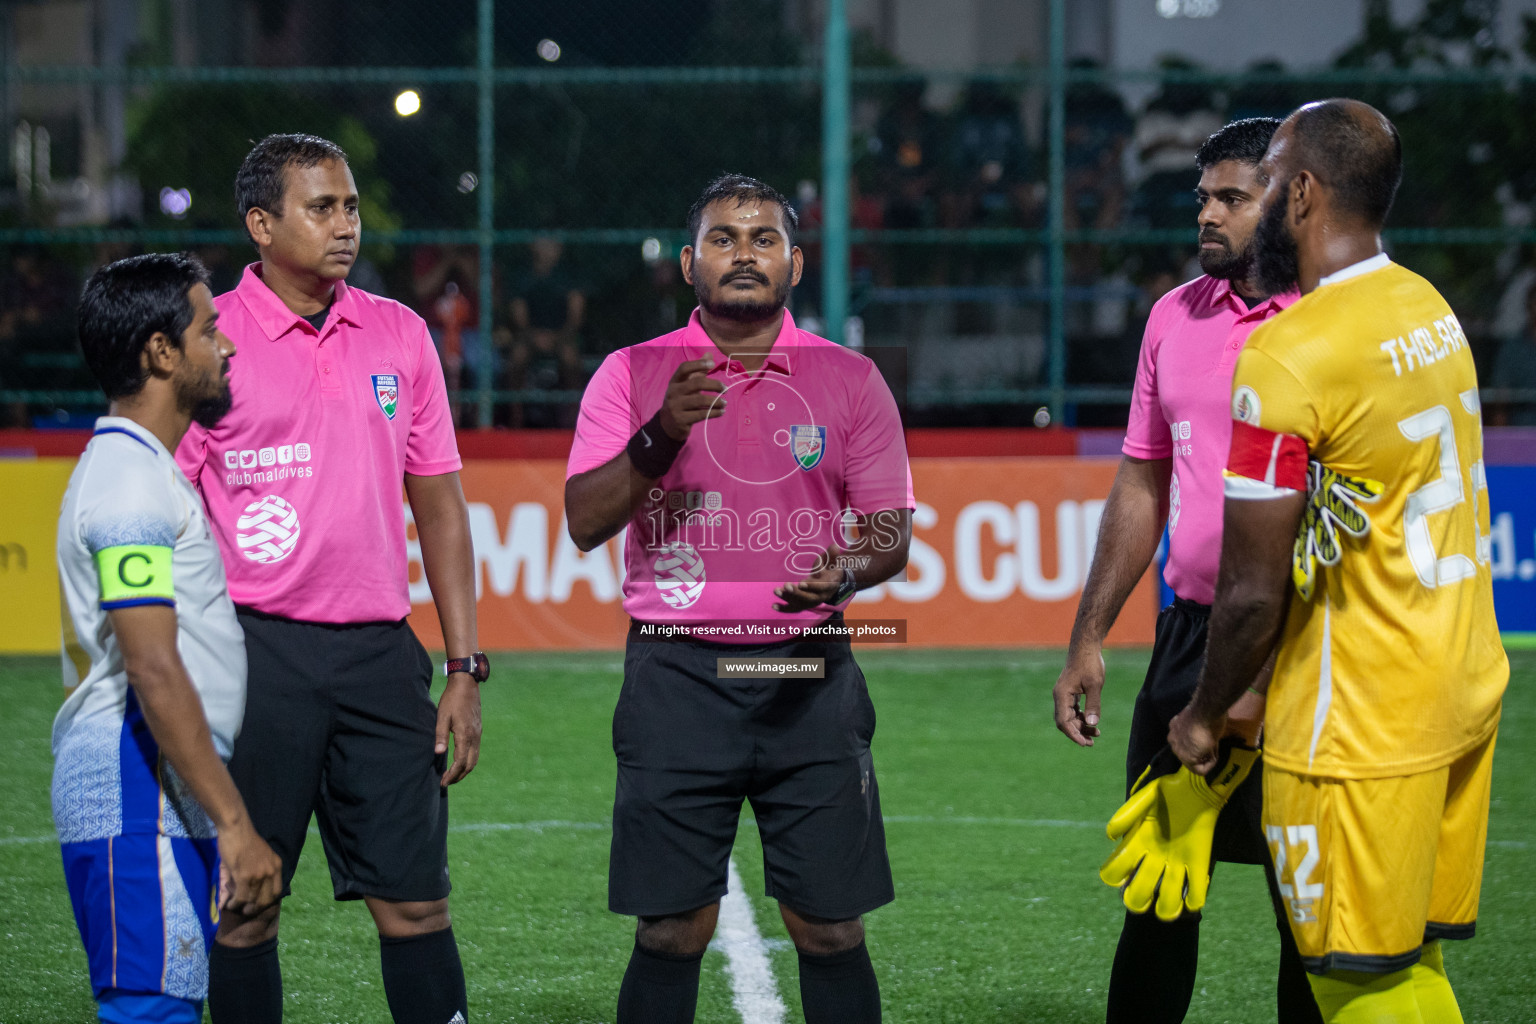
{"x": 30, "y": 493}
{"x": 1000, "y": 551}
{"x": 1512, "y": 511}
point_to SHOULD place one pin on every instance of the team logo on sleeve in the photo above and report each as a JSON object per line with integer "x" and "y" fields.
{"x": 808, "y": 444}
{"x": 386, "y": 389}
{"x": 267, "y": 530}
{"x": 679, "y": 572}
{"x": 1245, "y": 405}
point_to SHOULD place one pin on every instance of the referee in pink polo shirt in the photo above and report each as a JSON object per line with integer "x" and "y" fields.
{"x": 1175, "y": 450}
{"x": 762, "y": 475}
{"x": 340, "y": 402}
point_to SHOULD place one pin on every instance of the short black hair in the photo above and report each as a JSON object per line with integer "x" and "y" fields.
{"x": 742, "y": 189}
{"x": 1360, "y": 163}
{"x": 126, "y": 303}
{"x": 259, "y": 183}
{"x": 1244, "y": 141}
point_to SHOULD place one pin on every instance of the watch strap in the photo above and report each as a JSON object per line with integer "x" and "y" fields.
{"x": 477, "y": 665}
{"x": 846, "y": 589}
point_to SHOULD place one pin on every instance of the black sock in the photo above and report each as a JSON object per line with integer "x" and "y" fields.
{"x": 245, "y": 986}
{"x": 423, "y": 979}
{"x": 839, "y": 988}
{"x": 659, "y": 988}
{"x": 1154, "y": 973}
{"x": 1294, "y": 1001}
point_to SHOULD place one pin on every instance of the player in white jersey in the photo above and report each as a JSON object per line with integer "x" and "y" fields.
{"x": 154, "y": 836}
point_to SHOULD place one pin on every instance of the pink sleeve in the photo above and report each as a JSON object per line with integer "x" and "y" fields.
{"x": 1146, "y": 435}
{"x": 191, "y": 453}
{"x": 431, "y": 449}
{"x": 876, "y": 474}
{"x": 608, "y": 418}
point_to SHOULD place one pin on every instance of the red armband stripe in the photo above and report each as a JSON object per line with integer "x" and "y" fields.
{"x": 1279, "y": 460}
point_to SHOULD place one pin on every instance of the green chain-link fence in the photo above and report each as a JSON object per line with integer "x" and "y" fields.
{"x": 1007, "y": 226}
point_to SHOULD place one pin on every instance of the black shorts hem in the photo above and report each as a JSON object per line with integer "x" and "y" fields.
{"x": 392, "y": 895}
{"x": 1361, "y": 962}
{"x": 629, "y": 908}
{"x": 1435, "y": 930}
{"x": 836, "y": 913}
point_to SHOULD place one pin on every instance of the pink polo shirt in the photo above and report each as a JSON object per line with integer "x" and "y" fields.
{"x": 1182, "y": 408}
{"x": 756, "y": 494}
{"x": 302, "y": 480}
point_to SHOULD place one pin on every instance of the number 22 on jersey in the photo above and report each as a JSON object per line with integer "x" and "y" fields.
{"x": 1443, "y": 494}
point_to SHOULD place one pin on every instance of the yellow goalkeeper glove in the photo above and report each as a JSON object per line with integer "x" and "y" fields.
{"x": 1333, "y": 503}
{"x": 1165, "y": 831}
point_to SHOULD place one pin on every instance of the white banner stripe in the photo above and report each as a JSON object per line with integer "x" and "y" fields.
{"x": 754, "y": 992}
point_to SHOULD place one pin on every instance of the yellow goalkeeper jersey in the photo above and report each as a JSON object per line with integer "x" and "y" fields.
{"x": 1395, "y": 665}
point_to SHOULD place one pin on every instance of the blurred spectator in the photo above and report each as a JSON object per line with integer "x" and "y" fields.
{"x": 910, "y": 141}
{"x": 445, "y": 280}
{"x": 225, "y": 268}
{"x": 547, "y": 313}
{"x": 1515, "y": 367}
{"x": 366, "y": 275}
{"x": 1263, "y": 99}
{"x": 105, "y": 252}
{"x": 989, "y": 163}
{"x": 667, "y": 303}
{"x": 865, "y": 213}
{"x": 1509, "y": 318}
{"x": 1170, "y": 131}
{"x": 451, "y": 313}
{"x": 1097, "y": 129}
{"x": 37, "y": 328}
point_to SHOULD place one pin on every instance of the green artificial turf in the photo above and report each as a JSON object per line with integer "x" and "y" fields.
{"x": 994, "y": 824}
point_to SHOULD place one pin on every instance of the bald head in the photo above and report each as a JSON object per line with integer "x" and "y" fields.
{"x": 1352, "y": 150}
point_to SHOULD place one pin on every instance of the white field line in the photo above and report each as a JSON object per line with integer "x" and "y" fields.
{"x": 754, "y": 992}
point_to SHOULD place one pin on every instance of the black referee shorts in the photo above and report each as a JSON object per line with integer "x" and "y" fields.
{"x": 692, "y": 746}
{"x": 340, "y": 724}
{"x": 1178, "y": 654}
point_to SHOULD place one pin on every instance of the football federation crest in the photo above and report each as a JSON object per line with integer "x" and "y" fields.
{"x": 1245, "y": 405}
{"x": 808, "y": 444}
{"x": 386, "y": 388}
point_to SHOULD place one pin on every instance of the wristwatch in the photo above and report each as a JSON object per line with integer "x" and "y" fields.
{"x": 846, "y": 589}
{"x": 477, "y": 665}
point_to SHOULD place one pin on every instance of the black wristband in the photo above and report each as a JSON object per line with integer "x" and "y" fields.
{"x": 652, "y": 450}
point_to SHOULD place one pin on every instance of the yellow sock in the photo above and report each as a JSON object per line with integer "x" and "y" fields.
{"x": 1432, "y": 988}
{"x": 1358, "y": 997}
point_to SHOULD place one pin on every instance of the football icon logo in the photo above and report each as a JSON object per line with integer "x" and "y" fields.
{"x": 267, "y": 529}
{"x": 679, "y": 575}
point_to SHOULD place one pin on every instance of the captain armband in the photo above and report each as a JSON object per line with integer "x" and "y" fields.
{"x": 135, "y": 574}
{"x": 1264, "y": 464}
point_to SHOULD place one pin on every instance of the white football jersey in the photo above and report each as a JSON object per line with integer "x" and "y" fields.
{"x": 132, "y": 531}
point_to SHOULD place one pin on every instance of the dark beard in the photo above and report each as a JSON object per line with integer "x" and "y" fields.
{"x": 1276, "y": 260}
{"x": 1227, "y": 265}
{"x": 209, "y": 411}
{"x": 744, "y": 311}
{"x": 209, "y": 402}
